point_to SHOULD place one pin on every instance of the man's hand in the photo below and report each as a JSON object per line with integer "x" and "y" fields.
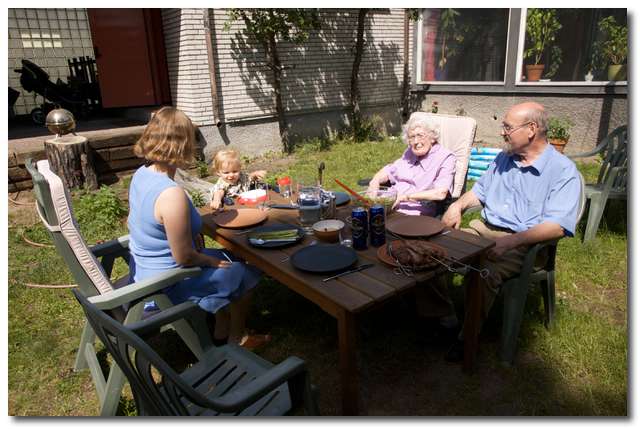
{"x": 453, "y": 216}
{"x": 503, "y": 245}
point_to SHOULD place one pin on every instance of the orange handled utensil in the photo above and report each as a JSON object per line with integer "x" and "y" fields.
{"x": 354, "y": 193}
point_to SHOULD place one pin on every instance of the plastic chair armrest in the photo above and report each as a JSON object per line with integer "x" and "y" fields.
{"x": 598, "y": 149}
{"x": 118, "y": 245}
{"x": 247, "y": 394}
{"x": 137, "y": 290}
{"x": 532, "y": 253}
{"x": 164, "y": 317}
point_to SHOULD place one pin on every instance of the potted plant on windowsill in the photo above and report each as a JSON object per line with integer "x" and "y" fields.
{"x": 558, "y": 133}
{"x": 542, "y": 27}
{"x": 613, "y": 49}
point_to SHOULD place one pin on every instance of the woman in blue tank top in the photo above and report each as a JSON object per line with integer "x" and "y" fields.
{"x": 164, "y": 229}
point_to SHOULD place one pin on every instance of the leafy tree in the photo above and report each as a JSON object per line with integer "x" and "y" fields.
{"x": 268, "y": 26}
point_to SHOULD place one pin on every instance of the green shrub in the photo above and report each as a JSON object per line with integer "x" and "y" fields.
{"x": 100, "y": 211}
{"x": 197, "y": 199}
{"x": 203, "y": 168}
{"x": 558, "y": 128}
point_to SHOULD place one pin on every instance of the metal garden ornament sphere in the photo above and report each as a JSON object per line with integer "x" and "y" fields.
{"x": 60, "y": 122}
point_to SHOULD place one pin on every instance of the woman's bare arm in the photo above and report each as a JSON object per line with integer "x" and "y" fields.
{"x": 172, "y": 211}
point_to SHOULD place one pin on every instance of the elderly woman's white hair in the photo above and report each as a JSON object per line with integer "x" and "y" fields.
{"x": 419, "y": 119}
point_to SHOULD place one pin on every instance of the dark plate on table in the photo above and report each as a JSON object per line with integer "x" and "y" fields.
{"x": 274, "y": 243}
{"x": 324, "y": 258}
{"x": 342, "y": 198}
{"x": 413, "y": 226}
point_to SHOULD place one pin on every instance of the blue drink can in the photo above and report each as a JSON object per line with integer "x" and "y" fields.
{"x": 376, "y": 225}
{"x": 359, "y": 228}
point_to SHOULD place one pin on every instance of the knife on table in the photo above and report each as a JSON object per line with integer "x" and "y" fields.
{"x": 355, "y": 270}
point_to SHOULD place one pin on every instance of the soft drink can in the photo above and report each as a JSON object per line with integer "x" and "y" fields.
{"x": 359, "y": 228}
{"x": 376, "y": 225}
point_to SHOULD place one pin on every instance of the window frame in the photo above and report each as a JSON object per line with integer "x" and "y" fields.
{"x": 511, "y": 83}
{"x": 418, "y": 38}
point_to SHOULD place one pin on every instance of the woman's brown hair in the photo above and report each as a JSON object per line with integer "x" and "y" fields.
{"x": 168, "y": 137}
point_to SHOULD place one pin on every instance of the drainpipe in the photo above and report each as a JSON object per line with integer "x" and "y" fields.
{"x": 212, "y": 68}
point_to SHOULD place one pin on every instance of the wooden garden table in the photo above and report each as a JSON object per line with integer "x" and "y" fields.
{"x": 350, "y": 295}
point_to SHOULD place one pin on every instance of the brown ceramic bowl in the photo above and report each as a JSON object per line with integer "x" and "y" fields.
{"x": 328, "y": 230}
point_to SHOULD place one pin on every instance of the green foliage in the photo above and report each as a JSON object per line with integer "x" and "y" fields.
{"x": 203, "y": 168}
{"x": 558, "y": 128}
{"x": 100, "y": 211}
{"x": 370, "y": 128}
{"x": 451, "y": 35}
{"x": 197, "y": 198}
{"x": 612, "y": 50}
{"x": 542, "y": 27}
{"x": 291, "y": 25}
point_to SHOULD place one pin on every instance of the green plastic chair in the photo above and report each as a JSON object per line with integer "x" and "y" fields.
{"x": 515, "y": 290}
{"x": 227, "y": 381}
{"x": 612, "y": 178}
{"x": 125, "y": 300}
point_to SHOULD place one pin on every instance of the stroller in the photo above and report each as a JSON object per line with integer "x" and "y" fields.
{"x": 60, "y": 94}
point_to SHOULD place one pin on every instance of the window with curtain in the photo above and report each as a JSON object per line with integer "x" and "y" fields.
{"x": 459, "y": 45}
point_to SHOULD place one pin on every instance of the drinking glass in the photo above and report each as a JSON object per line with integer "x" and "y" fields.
{"x": 309, "y": 206}
{"x": 263, "y": 205}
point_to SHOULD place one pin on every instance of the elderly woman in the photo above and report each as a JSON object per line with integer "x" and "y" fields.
{"x": 423, "y": 174}
{"x": 165, "y": 228}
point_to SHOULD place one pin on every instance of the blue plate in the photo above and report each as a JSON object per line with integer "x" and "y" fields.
{"x": 342, "y": 198}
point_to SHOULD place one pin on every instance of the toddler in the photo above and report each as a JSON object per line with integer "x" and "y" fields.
{"x": 231, "y": 181}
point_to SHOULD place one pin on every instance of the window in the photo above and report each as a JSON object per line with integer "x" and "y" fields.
{"x": 463, "y": 45}
{"x": 575, "y": 55}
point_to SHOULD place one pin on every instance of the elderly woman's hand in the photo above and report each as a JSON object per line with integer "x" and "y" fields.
{"x": 401, "y": 198}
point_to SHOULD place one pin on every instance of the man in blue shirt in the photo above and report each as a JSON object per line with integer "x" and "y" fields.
{"x": 530, "y": 194}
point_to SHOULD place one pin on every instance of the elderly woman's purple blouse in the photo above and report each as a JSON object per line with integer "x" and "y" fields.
{"x": 411, "y": 174}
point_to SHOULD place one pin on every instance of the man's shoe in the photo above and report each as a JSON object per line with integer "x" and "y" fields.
{"x": 455, "y": 354}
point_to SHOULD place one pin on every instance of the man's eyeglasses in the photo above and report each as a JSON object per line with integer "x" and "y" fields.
{"x": 508, "y": 129}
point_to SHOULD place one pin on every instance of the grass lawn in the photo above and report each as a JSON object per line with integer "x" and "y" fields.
{"x": 577, "y": 368}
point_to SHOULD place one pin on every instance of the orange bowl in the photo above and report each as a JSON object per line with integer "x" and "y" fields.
{"x": 328, "y": 230}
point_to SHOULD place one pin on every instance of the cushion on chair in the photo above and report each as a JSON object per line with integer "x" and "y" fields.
{"x": 70, "y": 230}
{"x": 456, "y": 134}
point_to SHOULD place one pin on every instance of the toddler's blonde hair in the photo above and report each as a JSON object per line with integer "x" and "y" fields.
{"x": 225, "y": 156}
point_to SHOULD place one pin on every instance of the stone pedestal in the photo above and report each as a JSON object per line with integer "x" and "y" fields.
{"x": 71, "y": 158}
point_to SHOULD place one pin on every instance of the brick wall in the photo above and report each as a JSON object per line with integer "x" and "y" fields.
{"x": 48, "y": 37}
{"x": 318, "y": 72}
{"x": 184, "y": 34}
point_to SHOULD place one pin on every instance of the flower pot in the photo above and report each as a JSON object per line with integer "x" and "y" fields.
{"x": 617, "y": 72}
{"x": 558, "y": 144}
{"x": 534, "y": 72}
